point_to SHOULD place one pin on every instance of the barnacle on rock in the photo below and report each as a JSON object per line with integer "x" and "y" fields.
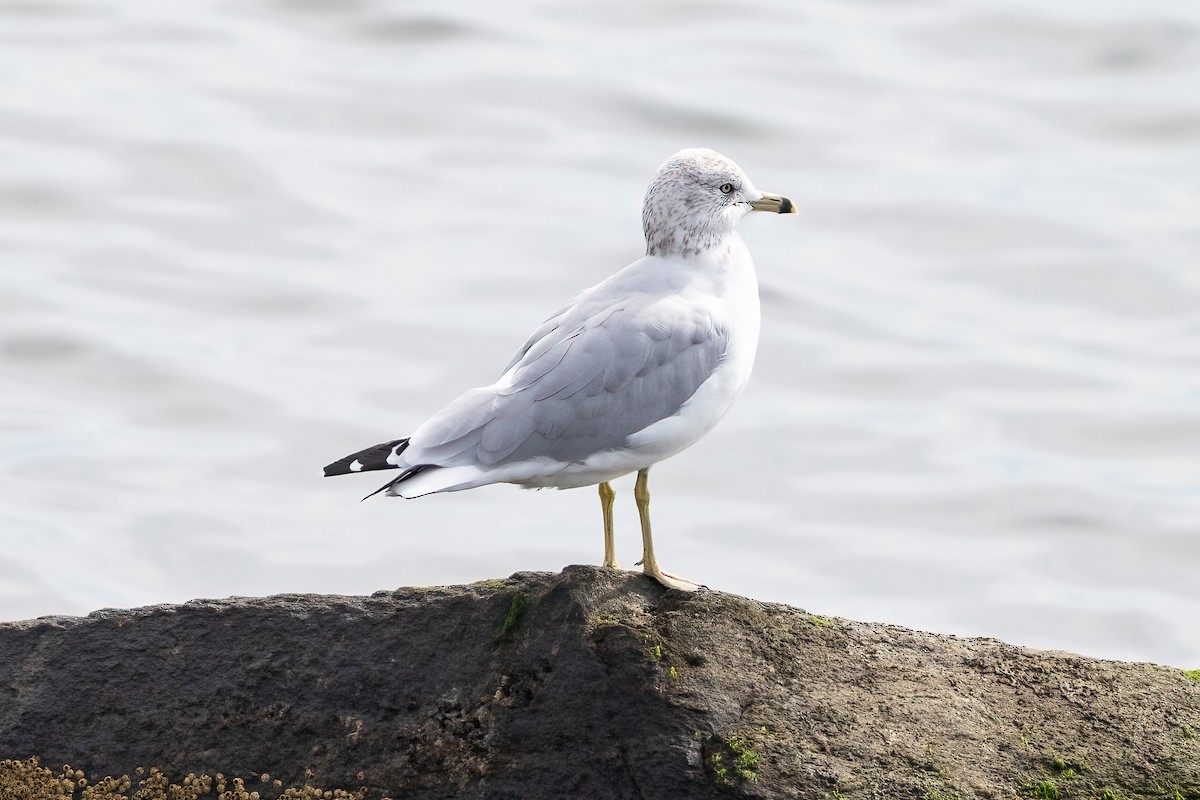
{"x": 28, "y": 780}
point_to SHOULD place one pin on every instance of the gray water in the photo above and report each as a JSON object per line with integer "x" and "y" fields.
{"x": 239, "y": 240}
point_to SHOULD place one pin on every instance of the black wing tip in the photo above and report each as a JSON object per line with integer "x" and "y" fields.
{"x": 367, "y": 460}
{"x": 386, "y": 486}
{"x": 342, "y": 466}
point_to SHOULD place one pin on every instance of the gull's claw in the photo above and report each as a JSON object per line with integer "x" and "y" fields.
{"x": 674, "y": 581}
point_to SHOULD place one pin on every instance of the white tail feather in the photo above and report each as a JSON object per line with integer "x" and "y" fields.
{"x": 440, "y": 479}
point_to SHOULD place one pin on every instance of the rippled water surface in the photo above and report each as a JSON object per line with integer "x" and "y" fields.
{"x": 241, "y": 239}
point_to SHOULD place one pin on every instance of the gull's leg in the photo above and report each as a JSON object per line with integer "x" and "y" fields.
{"x": 607, "y": 497}
{"x": 641, "y": 493}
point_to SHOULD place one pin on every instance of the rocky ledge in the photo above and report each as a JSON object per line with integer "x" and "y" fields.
{"x": 587, "y": 684}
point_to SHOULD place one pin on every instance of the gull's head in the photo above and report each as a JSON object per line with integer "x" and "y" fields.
{"x": 696, "y": 199}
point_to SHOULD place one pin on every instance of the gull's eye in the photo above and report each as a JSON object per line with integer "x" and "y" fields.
{"x": 726, "y": 188}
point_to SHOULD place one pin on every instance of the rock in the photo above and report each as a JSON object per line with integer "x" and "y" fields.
{"x": 587, "y": 684}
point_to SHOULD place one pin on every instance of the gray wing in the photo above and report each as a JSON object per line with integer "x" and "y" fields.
{"x": 553, "y": 323}
{"x": 586, "y": 380}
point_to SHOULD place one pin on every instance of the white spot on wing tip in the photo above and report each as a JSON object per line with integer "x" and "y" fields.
{"x": 356, "y": 466}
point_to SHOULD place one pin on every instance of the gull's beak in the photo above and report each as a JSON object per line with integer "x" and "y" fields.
{"x": 774, "y": 202}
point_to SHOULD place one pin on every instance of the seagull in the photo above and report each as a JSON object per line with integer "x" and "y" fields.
{"x": 628, "y": 373}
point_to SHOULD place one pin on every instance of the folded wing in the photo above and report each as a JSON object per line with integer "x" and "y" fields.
{"x": 584, "y": 382}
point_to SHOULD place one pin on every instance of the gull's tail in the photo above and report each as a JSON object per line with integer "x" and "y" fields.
{"x": 432, "y": 477}
{"x": 377, "y": 457}
{"x": 366, "y": 460}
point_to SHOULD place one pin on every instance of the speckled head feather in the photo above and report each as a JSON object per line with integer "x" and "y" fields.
{"x": 694, "y": 202}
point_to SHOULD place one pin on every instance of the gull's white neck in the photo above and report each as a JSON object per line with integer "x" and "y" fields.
{"x": 681, "y": 231}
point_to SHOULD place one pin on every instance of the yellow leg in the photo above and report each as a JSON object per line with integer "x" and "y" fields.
{"x": 607, "y": 498}
{"x": 641, "y": 494}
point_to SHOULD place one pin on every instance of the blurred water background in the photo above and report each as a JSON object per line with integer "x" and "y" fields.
{"x": 241, "y": 239}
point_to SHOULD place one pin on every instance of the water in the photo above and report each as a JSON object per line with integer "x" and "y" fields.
{"x": 239, "y": 240}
